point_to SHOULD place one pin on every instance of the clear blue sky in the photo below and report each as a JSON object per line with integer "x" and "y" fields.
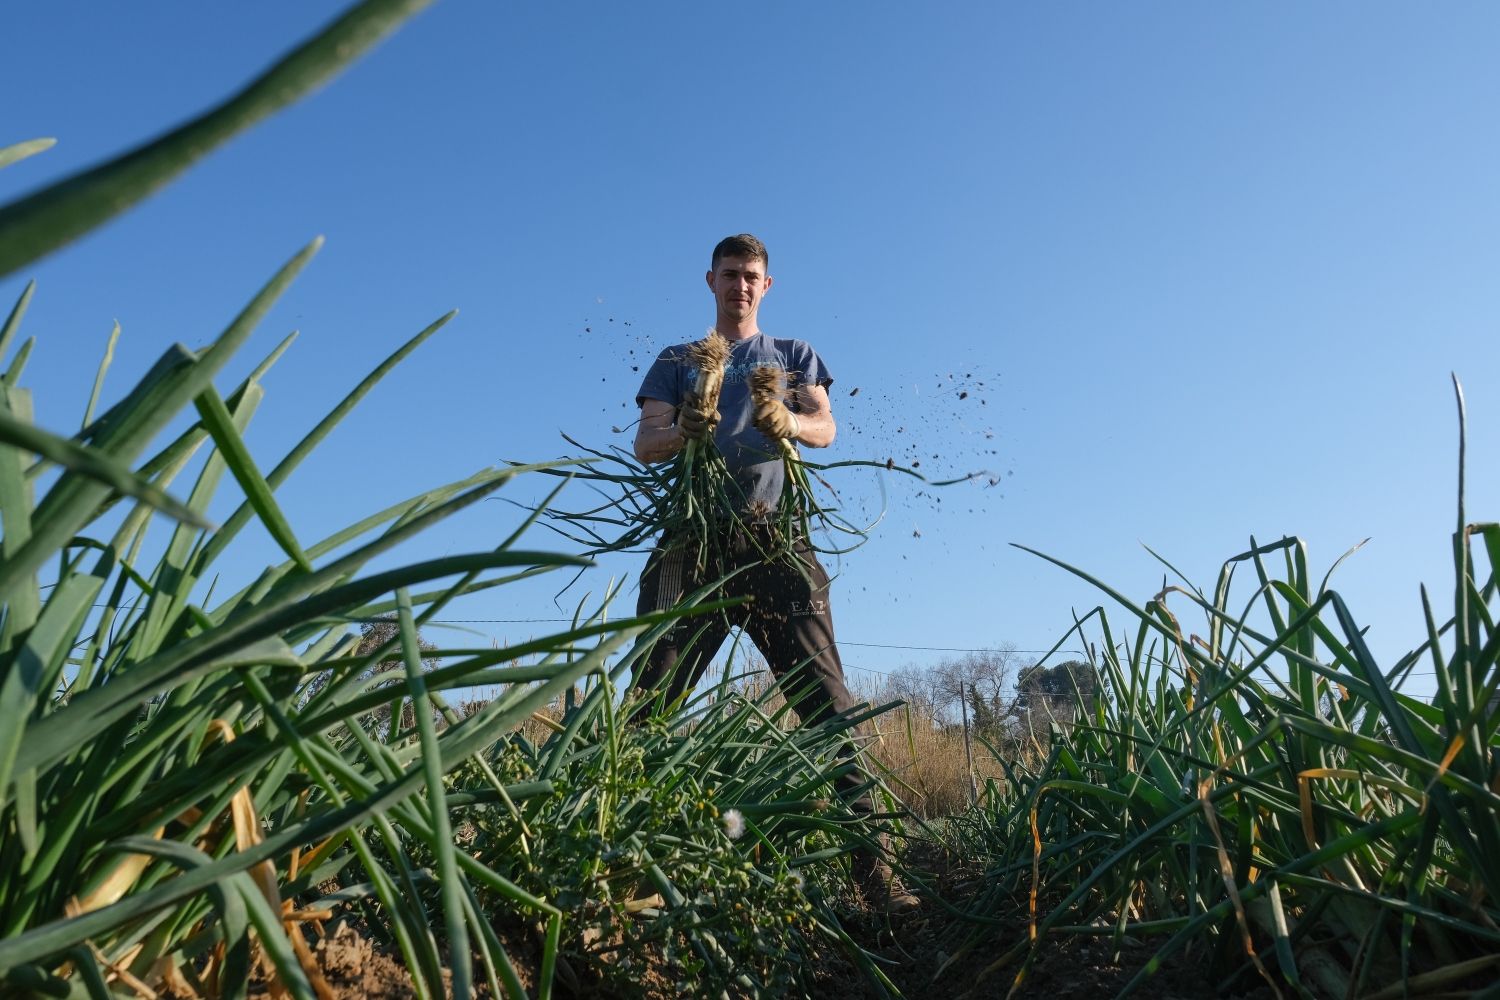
{"x": 1213, "y": 265}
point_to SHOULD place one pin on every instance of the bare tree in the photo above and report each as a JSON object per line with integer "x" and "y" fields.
{"x": 921, "y": 689}
{"x": 986, "y": 680}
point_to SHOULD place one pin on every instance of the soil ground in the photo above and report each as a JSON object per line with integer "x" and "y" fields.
{"x": 916, "y": 954}
{"x": 916, "y": 961}
{"x": 357, "y": 968}
{"x": 913, "y": 951}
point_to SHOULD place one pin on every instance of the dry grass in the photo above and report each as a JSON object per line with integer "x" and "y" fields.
{"x": 535, "y": 728}
{"x": 920, "y": 758}
{"x": 924, "y": 762}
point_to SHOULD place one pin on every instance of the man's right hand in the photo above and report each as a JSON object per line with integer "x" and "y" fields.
{"x": 695, "y": 420}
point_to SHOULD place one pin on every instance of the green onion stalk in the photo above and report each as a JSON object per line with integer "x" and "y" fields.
{"x": 703, "y": 503}
{"x": 1258, "y": 788}
{"x": 799, "y": 508}
{"x": 694, "y": 498}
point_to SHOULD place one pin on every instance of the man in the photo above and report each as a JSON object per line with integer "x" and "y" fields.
{"x": 788, "y": 617}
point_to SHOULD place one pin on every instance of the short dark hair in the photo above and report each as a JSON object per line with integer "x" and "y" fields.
{"x": 743, "y": 245}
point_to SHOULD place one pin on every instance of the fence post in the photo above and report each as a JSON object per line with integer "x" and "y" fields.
{"x": 963, "y": 706}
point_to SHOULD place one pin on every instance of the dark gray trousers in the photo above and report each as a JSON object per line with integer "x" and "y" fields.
{"x": 788, "y": 618}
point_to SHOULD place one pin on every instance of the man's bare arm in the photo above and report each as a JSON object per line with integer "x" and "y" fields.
{"x": 815, "y": 420}
{"x": 656, "y": 436}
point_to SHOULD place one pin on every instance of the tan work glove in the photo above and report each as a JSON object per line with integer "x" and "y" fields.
{"x": 694, "y": 420}
{"x": 774, "y": 420}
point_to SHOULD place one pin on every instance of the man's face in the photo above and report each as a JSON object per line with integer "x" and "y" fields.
{"x": 738, "y": 283}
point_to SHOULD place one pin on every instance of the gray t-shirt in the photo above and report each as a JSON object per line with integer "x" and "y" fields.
{"x": 755, "y": 461}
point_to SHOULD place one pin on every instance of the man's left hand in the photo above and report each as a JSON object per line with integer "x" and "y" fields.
{"x": 774, "y": 420}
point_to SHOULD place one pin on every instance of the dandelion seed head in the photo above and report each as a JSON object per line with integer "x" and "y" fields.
{"x": 734, "y": 824}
